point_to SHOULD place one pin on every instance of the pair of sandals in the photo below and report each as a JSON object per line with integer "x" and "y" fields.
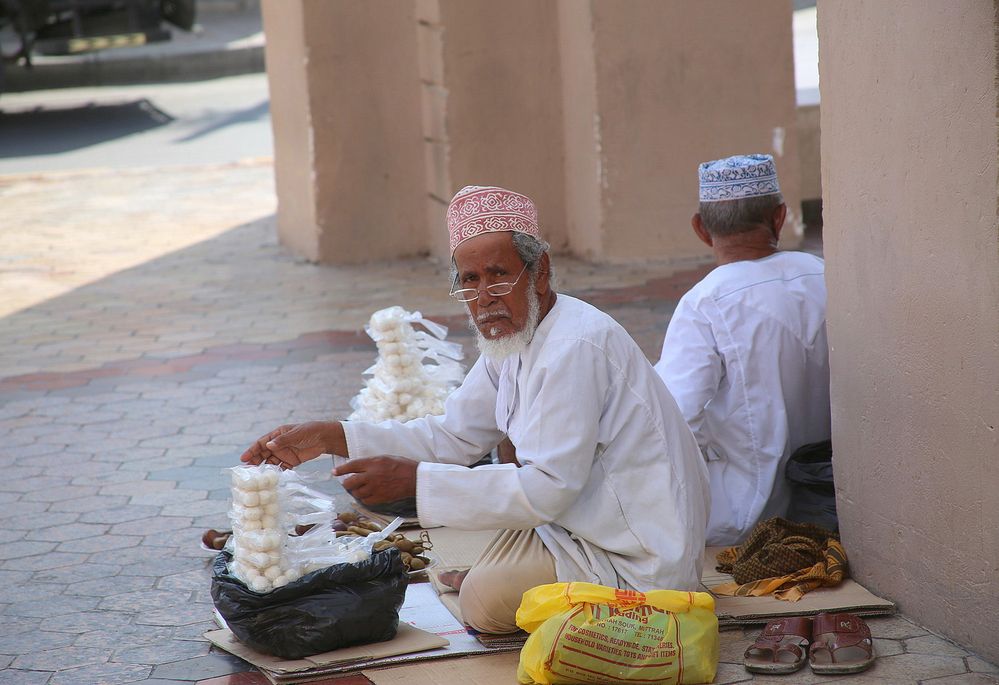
{"x": 830, "y": 643}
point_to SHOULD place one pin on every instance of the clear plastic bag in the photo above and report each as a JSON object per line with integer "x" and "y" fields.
{"x": 415, "y": 372}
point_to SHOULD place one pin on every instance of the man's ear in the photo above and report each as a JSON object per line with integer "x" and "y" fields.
{"x": 700, "y": 230}
{"x": 541, "y": 283}
{"x": 780, "y": 215}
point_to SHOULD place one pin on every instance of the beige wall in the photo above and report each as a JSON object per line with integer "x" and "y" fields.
{"x": 600, "y": 110}
{"x": 809, "y": 146}
{"x": 503, "y": 117}
{"x": 673, "y": 84}
{"x": 355, "y": 167}
{"x": 292, "y": 124}
{"x": 909, "y": 165}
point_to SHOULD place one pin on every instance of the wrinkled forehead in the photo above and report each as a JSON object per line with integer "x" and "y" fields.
{"x": 486, "y": 251}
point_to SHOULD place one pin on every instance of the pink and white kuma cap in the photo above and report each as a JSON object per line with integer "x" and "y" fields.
{"x": 487, "y": 209}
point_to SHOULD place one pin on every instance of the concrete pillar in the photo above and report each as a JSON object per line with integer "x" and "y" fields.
{"x": 651, "y": 89}
{"x": 910, "y": 148}
{"x": 493, "y": 104}
{"x": 346, "y": 112}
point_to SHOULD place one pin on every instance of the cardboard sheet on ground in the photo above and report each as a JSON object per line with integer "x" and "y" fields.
{"x": 733, "y": 612}
{"x": 427, "y": 630}
{"x": 490, "y": 669}
{"x": 461, "y": 548}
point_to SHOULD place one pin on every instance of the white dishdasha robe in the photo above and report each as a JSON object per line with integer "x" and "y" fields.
{"x": 610, "y": 477}
{"x": 746, "y": 357}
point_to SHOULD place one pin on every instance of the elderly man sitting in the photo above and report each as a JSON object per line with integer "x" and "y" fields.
{"x": 609, "y": 486}
{"x": 745, "y": 353}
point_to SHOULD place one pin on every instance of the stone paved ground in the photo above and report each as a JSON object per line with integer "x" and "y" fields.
{"x": 150, "y": 328}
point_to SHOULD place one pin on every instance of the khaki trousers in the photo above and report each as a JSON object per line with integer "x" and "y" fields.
{"x": 513, "y": 563}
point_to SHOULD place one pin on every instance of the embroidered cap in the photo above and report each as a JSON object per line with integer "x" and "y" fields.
{"x": 488, "y": 209}
{"x": 737, "y": 177}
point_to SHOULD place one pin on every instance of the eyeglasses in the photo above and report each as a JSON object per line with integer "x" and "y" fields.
{"x": 496, "y": 289}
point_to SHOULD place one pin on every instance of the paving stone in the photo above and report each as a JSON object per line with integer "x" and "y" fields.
{"x": 152, "y": 526}
{"x": 914, "y": 667}
{"x": 979, "y": 665}
{"x": 43, "y": 562}
{"x": 157, "y": 567}
{"x": 197, "y": 508}
{"x": 14, "y": 625}
{"x": 164, "y": 652}
{"x": 24, "y": 548}
{"x": 106, "y": 587}
{"x": 62, "y": 658}
{"x": 92, "y": 570}
{"x": 730, "y": 673}
{"x": 145, "y": 600}
{"x": 209, "y": 666}
{"x": 884, "y": 647}
{"x": 84, "y": 505}
{"x": 188, "y": 581}
{"x": 894, "y": 627}
{"x": 5, "y": 660}
{"x": 22, "y": 643}
{"x": 173, "y": 616}
{"x": 194, "y": 631}
{"x": 105, "y": 674}
{"x": 125, "y": 636}
{"x": 53, "y": 606}
{"x": 70, "y": 531}
{"x": 931, "y": 644}
{"x": 21, "y": 592}
{"x": 120, "y": 513}
{"x": 111, "y": 477}
{"x": 209, "y": 474}
{"x": 16, "y": 677}
{"x": 965, "y": 679}
{"x": 170, "y": 497}
{"x": 11, "y": 535}
{"x": 102, "y": 543}
{"x": 38, "y": 483}
{"x": 59, "y": 494}
{"x": 136, "y": 488}
{"x": 34, "y": 521}
{"x": 175, "y": 441}
{"x": 24, "y": 508}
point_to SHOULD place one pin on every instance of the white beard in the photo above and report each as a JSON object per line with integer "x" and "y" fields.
{"x": 515, "y": 343}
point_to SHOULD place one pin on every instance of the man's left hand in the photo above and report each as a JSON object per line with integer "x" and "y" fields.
{"x": 378, "y": 480}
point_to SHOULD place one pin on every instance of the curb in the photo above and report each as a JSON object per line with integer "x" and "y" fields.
{"x": 190, "y": 66}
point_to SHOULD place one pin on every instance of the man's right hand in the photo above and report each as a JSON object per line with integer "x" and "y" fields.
{"x": 290, "y": 445}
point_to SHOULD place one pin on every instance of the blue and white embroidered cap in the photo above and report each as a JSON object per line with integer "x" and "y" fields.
{"x": 737, "y": 177}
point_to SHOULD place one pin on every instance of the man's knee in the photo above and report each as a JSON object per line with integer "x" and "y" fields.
{"x": 489, "y": 600}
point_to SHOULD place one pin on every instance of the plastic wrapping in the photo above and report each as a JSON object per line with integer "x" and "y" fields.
{"x": 333, "y": 607}
{"x": 415, "y": 372}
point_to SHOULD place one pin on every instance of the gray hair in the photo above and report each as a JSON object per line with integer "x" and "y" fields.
{"x": 730, "y": 217}
{"x": 530, "y": 250}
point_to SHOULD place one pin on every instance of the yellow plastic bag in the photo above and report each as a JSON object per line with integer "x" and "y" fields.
{"x": 586, "y": 633}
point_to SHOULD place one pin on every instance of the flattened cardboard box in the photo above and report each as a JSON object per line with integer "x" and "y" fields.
{"x": 733, "y": 612}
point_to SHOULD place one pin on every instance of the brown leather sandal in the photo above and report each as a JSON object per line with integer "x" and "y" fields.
{"x": 781, "y": 647}
{"x": 841, "y": 644}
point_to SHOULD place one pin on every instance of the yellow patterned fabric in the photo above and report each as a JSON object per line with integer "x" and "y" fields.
{"x": 762, "y": 562}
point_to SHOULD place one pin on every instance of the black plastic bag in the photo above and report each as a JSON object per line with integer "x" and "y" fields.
{"x": 334, "y": 607}
{"x": 813, "y": 492}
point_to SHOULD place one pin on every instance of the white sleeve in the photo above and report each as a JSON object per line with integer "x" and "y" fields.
{"x": 691, "y": 365}
{"x": 562, "y": 403}
{"x": 461, "y": 435}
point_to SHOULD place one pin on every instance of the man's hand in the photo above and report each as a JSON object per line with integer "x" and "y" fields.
{"x": 290, "y": 445}
{"x": 378, "y": 480}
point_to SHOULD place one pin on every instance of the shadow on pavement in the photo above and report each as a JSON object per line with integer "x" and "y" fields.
{"x": 39, "y": 131}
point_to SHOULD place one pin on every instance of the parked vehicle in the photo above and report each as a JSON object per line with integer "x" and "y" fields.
{"x": 69, "y": 27}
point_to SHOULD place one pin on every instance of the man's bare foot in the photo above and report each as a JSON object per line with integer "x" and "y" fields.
{"x": 452, "y": 579}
